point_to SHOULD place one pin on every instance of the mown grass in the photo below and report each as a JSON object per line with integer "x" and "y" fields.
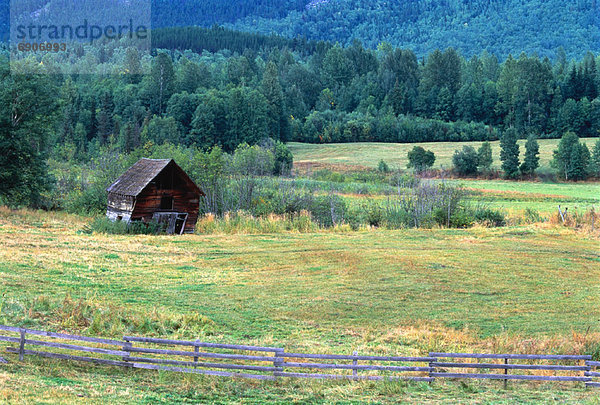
{"x": 48, "y": 381}
{"x": 530, "y": 289}
{"x": 395, "y": 154}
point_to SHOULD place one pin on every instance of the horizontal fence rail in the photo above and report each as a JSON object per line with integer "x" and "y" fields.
{"x": 269, "y": 363}
{"x": 537, "y": 367}
{"x": 594, "y": 373}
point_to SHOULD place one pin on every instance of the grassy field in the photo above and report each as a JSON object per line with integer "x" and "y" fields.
{"x": 530, "y": 288}
{"x": 516, "y": 197}
{"x": 369, "y": 154}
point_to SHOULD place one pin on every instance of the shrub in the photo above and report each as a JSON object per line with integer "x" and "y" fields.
{"x": 91, "y": 200}
{"x": 328, "y": 210}
{"x": 420, "y": 159}
{"x": 373, "y": 213}
{"x": 490, "y": 217}
{"x": 462, "y": 219}
{"x": 328, "y": 175}
{"x": 383, "y": 167}
{"x": 466, "y": 161}
{"x": 104, "y": 225}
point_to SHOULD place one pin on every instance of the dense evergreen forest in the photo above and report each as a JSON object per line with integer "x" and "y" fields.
{"x": 311, "y": 92}
{"x": 498, "y": 26}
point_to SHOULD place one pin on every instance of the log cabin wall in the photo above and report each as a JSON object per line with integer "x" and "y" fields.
{"x": 119, "y": 207}
{"x": 183, "y": 201}
{"x": 168, "y": 184}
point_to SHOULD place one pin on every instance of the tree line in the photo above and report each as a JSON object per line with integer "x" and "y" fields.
{"x": 321, "y": 93}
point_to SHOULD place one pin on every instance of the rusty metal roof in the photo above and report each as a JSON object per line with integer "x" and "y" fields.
{"x": 138, "y": 176}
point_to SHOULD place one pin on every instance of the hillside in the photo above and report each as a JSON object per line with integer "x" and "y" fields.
{"x": 498, "y": 26}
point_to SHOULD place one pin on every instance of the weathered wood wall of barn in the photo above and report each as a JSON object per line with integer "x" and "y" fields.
{"x": 183, "y": 201}
{"x": 120, "y": 206}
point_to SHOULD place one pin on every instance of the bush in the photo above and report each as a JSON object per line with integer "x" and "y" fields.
{"x": 92, "y": 200}
{"x": 490, "y": 217}
{"x": 328, "y": 175}
{"x": 420, "y": 159}
{"x": 462, "y": 219}
{"x": 466, "y": 161}
{"x": 373, "y": 213}
{"x": 329, "y": 210}
{"x": 383, "y": 167}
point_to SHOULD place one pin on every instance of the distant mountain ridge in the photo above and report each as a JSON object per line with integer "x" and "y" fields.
{"x": 472, "y": 26}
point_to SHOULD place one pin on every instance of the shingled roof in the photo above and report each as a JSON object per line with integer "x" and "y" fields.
{"x": 138, "y": 176}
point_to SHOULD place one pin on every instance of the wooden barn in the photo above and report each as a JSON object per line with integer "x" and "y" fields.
{"x": 155, "y": 189}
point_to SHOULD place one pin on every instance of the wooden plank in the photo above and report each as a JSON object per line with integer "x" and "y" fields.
{"x": 76, "y": 347}
{"x": 351, "y": 377}
{"x": 592, "y": 384}
{"x": 10, "y": 328}
{"x": 75, "y": 337}
{"x": 593, "y": 363}
{"x": 207, "y": 372}
{"x": 3, "y": 360}
{"x": 350, "y": 357}
{"x": 10, "y": 339}
{"x": 592, "y": 373}
{"x": 510, "y": 366}
{"x": 201, "y": 344}
{"x": 355, "y": 367}
{"x": 203, "y": 365}
{"x": 64, "y": 336}
{"x": 201, "y": 354}
{"x": 511, "y": 377}
{"x": 512, "y": 356}
{"x": 72, "y": 357}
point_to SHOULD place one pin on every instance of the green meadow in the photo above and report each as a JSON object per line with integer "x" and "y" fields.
{"x": 407, "y": 292}
{"x": 532, "y": 286}
{"x": 369, "y": 154}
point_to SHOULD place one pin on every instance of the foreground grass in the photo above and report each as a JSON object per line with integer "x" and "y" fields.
{"x": 530, "y": 289}
{"x": 45, "y": 381}
{"x": 395, "y": 154}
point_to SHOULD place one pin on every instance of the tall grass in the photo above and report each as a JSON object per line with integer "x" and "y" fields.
{"x": 243, "y": 223}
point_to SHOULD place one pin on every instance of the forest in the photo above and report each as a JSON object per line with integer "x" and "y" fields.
{"x": 278, "y": 89}
{"x": 497, "y": 26}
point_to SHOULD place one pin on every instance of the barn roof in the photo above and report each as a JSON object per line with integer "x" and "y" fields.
{"x": 138, "y": 176}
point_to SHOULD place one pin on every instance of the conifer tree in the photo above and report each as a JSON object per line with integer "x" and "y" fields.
{"x": 532, "y": 156}
{"x": 509, "y": 153}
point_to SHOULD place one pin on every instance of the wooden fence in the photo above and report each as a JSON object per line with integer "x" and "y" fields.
{"x": 269, "y": 363}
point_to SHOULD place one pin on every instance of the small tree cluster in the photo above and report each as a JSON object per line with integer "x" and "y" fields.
{"x": 573, "y": 159}
{"x": 468, "y": 161}
{"x": 509, "y": 155}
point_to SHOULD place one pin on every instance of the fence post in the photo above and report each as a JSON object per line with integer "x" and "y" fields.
{"x": 196, "y": 350}
{"x": 126, "y": 348}
{"x": 22, "y": 344}
{"x": 278, "y": 362}
{"x": 355, "y": 370}
{"x": 506, "y": 373}
{"x": 431, "y": 369}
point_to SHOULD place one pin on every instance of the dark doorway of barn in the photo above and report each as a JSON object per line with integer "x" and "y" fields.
{"x": 173, "y": 222}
